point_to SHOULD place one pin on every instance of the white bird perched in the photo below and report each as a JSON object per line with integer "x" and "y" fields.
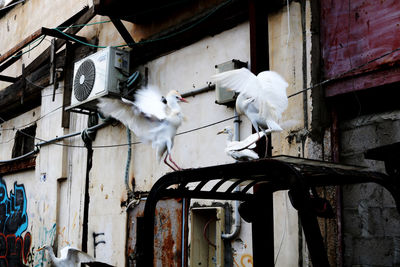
{"x": 240, "y": 150}
{"x": 71, "y": 257}
{"x": 152, "y": 117}
{"x": 262, "y": 98}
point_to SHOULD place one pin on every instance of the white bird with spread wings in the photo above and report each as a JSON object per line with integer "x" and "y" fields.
{"x": 152, "y": 117}
{"x": 262, "y": 98}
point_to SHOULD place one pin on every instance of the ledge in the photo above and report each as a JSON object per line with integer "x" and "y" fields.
{"x": 17, "y": 166}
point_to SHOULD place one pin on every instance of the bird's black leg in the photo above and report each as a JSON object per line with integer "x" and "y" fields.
{"x": 266, "y": 141}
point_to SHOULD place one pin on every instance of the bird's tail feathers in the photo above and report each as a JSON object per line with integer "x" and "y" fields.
{"x": 289, "y": 124}
{"x": 273, "y": 126}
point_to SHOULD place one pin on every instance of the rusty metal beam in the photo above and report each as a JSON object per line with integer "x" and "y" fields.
{"x": 57, "y": 34}
{"x": 123, "y": 32}
{"x": 68, "y": 77}
{"x": 16, "y": 166}
{"x": 20, "y": 46}
{"x": 82, "y": 17}
{"x": 40, "y": 32}
{"x": 226, "y": 17}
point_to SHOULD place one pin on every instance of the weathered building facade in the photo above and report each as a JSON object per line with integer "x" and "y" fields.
{"x": 62, "y": 184}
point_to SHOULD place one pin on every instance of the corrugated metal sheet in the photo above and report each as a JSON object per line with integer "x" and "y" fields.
{"x": 356, "y": 33}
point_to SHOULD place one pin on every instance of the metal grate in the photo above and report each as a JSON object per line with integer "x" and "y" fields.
{"x": 265, "y": 176}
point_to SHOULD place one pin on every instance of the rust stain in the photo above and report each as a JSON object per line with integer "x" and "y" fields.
{"x": 167, "y": 229}
{"x": 248, "y": 262}
{"x": 168, "y": 242}
{"x": 74, "y": 221}
{"x": 140, "y": 214}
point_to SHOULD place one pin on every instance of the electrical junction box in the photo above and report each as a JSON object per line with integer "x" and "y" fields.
{"x": 207, "y": 224}
{"x": 98, "y": 75}
{"x": 222, "y": 95}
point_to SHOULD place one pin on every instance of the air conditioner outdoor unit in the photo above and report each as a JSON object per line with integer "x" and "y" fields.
{"x": 100, "y": 74}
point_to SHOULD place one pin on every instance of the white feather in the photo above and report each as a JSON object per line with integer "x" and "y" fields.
{"x": 241, "y": 150}
{"x": 149, "y": 101}
{"x": 261, "y": 98}
{"x": 249, "y": 142}
{"x": 151, "y": 117}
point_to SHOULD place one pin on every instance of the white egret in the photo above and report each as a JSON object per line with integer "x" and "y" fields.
{"x": 71, "y": 257}
{"x": 262, "y": 98}
{"x": 240, "y": 150}
{"x": 152, "y": 117}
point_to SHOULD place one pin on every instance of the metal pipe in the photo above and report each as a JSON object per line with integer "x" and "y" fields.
{"x": 205, "y": 89}
{"x": 183, "y": 232}
{"x": 237, "y": 224}
{"x": 36, "y": 150}
{"x": 94, "y": 128}
{"x": 48, "y": 142}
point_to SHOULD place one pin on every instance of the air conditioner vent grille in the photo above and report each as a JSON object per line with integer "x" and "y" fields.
{"x": 84, "y": 80}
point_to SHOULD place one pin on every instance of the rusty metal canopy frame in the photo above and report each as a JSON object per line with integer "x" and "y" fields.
{"x": 273, "y": 174}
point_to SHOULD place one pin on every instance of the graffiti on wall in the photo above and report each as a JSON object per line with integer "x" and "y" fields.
{"x": 15, "y": 245}
{"x": 45, "y": 236}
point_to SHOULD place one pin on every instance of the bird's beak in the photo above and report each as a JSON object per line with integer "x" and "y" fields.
{"x": 221, "y": 132}
{"x": 39, "y": 249}
{"x": 183, "y": 100}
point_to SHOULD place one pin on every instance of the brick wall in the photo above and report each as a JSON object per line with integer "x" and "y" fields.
{"x": 370, "y": 219}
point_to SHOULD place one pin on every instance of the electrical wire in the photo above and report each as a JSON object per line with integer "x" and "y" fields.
{"x": 192, "y": 26}
{"x": 297, "y": 93}
{"x": 127, "y": 144}
{"x": 30, "y": 49}
{"x": 151, "y": 40}
{"x": 83, "y": 25}
{"x": 345, "y": 73}
{"x": 205, "y": 232}
{"x": 6, "y": 142}
{"x": 30, "y": 123}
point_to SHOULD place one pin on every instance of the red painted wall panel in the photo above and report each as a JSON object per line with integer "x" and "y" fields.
{"x": 354, "y": 33}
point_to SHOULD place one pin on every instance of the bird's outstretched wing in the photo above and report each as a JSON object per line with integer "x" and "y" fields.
{"x": 272, "y": 94}
{"x": 149, "y": 101}
{"x": 127, "y": 113}
{"x": 267, "y": 89}
{"x": 239, "y": 80}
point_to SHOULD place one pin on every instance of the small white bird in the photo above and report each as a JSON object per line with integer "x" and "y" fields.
{"x": 152, "y": 117}
{"x": 71, "y": 257}
{"x": 262, "y": 98}
{"x": 240, "y": 150}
